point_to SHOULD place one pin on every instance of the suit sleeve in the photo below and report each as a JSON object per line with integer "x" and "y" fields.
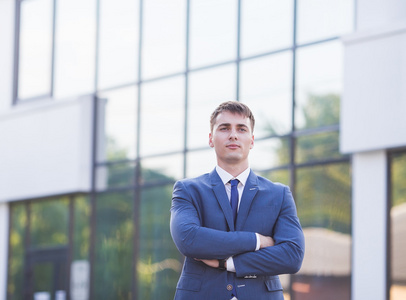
{"x": 286, "y": 256}
{"x": 196, "y": 241}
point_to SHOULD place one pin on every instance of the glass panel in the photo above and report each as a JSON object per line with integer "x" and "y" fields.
{"x": 398, "y": 227}
{"x": 81, "y": 230}
{"x": 266, "y": 87}
{"x": 321, "y": 19}
{"x": 49, "y": 223}
{"x": 43, "y": 278}
{"x": 117, "y": 124}
{"x": 317, "y": 147}
{"x": 113, "y": 267}
{"x": 200, "y": 162}
{"x": 207, "y": 89}
{"x": 162, "y": 168}
{"x": 281, "y": 176}
{"x": 318, "y": 91}
{"x": 119, "y": 37}
{"x": 266, "y": 25}
{"x": 159, "y": 262}
{"x": 269, "y": 153}
{"x": 163, "y": 116}
{"x": 15, "y": 280}
{"x": 323, "y": 198}
{"x": 75, "y": 47}
{"x": 35, "y": 61}
{"x": 213, "y": 32}
{"x": 164, "y": 38}
{"x": 115, "y": 175}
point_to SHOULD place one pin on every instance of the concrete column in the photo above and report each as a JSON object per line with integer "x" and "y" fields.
{"x": 369, "y": 211}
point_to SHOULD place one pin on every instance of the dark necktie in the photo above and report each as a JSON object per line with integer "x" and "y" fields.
{"x": 234, "y": 197}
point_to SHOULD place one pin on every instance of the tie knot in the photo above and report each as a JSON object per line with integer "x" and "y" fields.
{"x": 234, "y": 182}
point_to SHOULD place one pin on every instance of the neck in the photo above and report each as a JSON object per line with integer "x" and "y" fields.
{"x": 234, "y": 170}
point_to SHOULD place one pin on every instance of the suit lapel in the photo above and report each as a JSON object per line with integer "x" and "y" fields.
{"x": 221, "y": 196}
{"x": 250, "y": 190}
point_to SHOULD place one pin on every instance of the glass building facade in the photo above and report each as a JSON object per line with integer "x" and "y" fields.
{"x": 397, "y": 220}
{"x": 156, "y": 70}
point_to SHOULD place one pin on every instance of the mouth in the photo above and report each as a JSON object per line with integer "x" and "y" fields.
{"x": 233, "y": 146}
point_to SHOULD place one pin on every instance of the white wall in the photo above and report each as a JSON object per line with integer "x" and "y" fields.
{"x": 373, "y": 107}
{"x": 46, "y": 149}
{"x": 373, "y": 14}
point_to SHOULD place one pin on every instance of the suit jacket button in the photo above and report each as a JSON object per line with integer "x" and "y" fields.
{"x": 229, "y": 287}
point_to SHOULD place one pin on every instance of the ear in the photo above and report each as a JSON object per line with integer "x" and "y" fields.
{"x": 211, "y": 140}
{"x": 252, "y": 142}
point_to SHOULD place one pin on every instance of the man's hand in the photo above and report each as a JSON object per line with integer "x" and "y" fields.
{"x": 265, "y": 241}
{"x": 214, "y": 263}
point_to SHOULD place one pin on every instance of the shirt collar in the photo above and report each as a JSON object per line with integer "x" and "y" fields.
{"x": 226, "y": 177}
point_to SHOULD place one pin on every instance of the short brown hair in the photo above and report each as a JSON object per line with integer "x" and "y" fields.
{"x": 234, "y": 107}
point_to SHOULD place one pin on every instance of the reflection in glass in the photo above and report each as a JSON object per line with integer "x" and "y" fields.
{"x": 322, "y": 19}
{"x": 281, "y": 175}
{"x": 317, "y": 147}
{"x": 75, "y": 47}
{"x": 114, "y": 246}
{"x": 319, "y": 71}
{"x": 117, "y": 124}
{"x": 43, "y": 277}
{"x": 115, "y": 175}
{"x": 164, "y": 37}
{"x": 81, "y": 229}
{"x": 269, "y": 153}
{"x": 35, "y": 59}
{"x": 200, "y": 162}
{"x": 159, "y": 264}
{"x": 398, "y": 227}
{"x": 118, "y": 46}
{"x": 162, "y": 168}
{"x": 323, "y": 199}
{"x": 207, "y": 89}
{"x": 213, "y": 31}
{"x": 18, "y": 224}
{"x": 163, "y": 116}
{"x": 266, "y": 25}
{"x": 49, "y": 223}
{"x": 266, "y": 87}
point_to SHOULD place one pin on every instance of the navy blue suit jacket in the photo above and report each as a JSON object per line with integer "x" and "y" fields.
{"x": 202, "y": 227}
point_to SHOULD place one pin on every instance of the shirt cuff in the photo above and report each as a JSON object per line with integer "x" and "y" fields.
{"x": 230, "y": 265}
{"x": 258, "y": 242}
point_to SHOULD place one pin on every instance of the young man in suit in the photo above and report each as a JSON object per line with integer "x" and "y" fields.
{"x": 238, "y": 231}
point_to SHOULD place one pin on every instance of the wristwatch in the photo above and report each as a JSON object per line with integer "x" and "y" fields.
{"x": 222, "y": 264}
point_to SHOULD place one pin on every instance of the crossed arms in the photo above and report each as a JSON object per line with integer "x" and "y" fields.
{"x": 195, "y": 241}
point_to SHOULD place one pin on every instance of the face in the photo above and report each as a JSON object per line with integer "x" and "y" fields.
{"x": 232, "y": 139}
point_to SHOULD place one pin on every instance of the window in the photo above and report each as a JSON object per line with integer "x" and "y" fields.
{"x": 398, "y": 225}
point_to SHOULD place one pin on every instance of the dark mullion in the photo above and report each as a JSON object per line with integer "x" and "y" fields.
{"x": 52, "y": 85}
{"x": 93, "y": 200}
{"x": 238, "y": 62}
{"x": 292, "y": 175}
{"x": 137, "y": 170}
{"x": 16, "y": 50}
{"x": 186, "y": 112}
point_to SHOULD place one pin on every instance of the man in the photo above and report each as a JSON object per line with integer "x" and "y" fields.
{"x": 234, "y": 251}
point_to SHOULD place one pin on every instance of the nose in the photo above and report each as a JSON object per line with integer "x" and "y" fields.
{"x": 233, "y": 134}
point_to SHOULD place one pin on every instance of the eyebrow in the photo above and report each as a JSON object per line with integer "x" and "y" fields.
{"x": 228, "y": 124}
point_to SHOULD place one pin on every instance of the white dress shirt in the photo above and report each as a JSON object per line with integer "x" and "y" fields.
{"x": 242, "y": 178}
